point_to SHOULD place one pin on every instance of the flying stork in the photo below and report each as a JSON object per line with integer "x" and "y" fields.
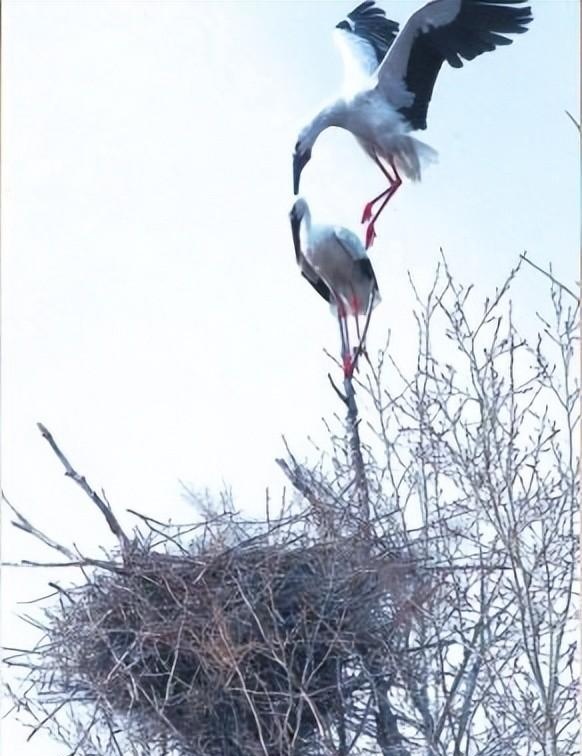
{"x": 389, "y": 80}
{"x": 335, "y": 263}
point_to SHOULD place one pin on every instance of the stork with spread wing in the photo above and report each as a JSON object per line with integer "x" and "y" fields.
{"x": 390, "y": 78}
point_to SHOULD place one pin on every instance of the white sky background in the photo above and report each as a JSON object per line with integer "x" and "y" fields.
{"x": 153, "y": 316}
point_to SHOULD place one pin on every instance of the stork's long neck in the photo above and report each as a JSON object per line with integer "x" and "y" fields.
{"x": 306, "y": 221}
{"x": 330, "y": 115}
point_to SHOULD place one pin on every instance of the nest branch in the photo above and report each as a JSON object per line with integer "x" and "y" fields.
{"x": 263, "y": 646}
{"x": 23, "y": 524}
{"x": 81, "y": 481}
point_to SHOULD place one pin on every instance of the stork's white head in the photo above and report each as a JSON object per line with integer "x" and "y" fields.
{"x": 299, "y": 211}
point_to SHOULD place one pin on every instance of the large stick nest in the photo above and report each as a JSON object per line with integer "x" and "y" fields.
{"x": 254, "y": 638}
{"x": 256, "y": 648}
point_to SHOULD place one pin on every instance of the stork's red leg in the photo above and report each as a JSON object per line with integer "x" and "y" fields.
{"x": 361, "y": 334}
{"x": 344, "y": 335}
{"x": 390, "y": 192}
{"x": 361, "y": 348}
{"x": 367, "y": 214}
{"x": 347, "y": 362}
{"x": 357, "y": 349}
{"x": 382, "y": 167}
{"x": 347, "y": 365}
{"x": 347, "y": 353}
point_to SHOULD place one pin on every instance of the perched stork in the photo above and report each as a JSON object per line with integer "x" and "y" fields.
{"x": 335, "y": 263}
{"x": 390, "y": 78}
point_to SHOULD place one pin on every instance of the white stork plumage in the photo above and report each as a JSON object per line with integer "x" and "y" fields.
{"x": 390, "y": 78}
{"x": 335, "y": 263}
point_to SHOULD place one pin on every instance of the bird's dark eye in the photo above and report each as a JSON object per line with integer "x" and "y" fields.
{"x": 297, "y": 146}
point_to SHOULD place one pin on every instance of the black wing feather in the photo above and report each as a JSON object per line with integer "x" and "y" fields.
{"x": 366, "y": 269}
{"x": 318, "y": 284}
{"x": 370, "y": 23}
{"x": 478, "y": 28}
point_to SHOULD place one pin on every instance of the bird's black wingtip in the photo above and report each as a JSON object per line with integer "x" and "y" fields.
{"x": 369, "y": 22}
{"x": 509, "y": 13}
{"x": 368, "y": 11}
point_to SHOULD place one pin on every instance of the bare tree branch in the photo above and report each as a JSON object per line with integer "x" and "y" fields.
{"x": 70, "y": 472}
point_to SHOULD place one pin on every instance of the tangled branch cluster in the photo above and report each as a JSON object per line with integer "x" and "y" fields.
{"x": 430, "y": 556}
{"x": 276, "y": 644}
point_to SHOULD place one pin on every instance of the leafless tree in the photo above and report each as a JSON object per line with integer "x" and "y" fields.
{"x": 416, "y": 596}
{"x": 476, "y": 463}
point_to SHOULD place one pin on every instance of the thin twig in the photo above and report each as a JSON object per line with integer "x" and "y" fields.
{"x": 70, "y": 472}
{"x": 555, "y": 281}
{"x": 337, "y": 391}
{"x": 23, "y": 524}
{"x": 574, "y": 121}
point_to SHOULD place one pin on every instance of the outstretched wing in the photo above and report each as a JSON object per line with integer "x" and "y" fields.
{"x": 364, "y": 37}
{"x": 451, "y": 30}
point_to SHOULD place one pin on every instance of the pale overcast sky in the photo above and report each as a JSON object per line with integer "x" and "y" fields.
{"x": 153, "y": 316}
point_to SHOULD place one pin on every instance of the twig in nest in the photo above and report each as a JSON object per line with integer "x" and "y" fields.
{"x": 84, "y": 562}
{"x": 70, "y": 472}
